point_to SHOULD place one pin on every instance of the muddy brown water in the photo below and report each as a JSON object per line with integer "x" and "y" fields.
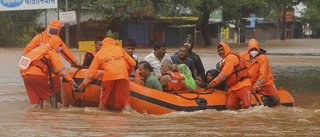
{"x": 295, "y": 65}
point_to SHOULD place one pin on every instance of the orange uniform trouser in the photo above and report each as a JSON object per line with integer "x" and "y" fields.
{"x": 38, "y": 88}
{"x": 269, "y": 90}
{"x": 56, "y": 83}
{"x": 119, "y": 90}
{"x": 243, "y": 95}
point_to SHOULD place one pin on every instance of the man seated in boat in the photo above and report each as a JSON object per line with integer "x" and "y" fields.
{"x": 237, "y": 76}
{"x": 194, "y": 56}
{"x": 182, "y": 58}
{"x": 157, "y": 56}
{"x": 171, "y": 79}
{"x": 260, "y": 71}
{"x": 88, "y": 57}
{"x": 148, "y": 79}
{"x": 129, "y": 46}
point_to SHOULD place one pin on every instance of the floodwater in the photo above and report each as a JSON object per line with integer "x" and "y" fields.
{"x": 295, "y": 65}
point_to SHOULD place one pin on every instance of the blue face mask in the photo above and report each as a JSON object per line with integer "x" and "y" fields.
{"x": 253, "y": 53}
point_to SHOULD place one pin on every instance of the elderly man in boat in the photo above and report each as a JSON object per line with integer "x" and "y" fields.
{"x": 171, "y": 79}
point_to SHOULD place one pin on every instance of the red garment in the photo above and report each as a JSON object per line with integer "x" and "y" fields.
{"x": 56, "y": 83}
{"x": 38, "y": 88}
{"x": 269, "y": 90}
{"x": 243, "y": 94}
{"x": 120, "y": 90}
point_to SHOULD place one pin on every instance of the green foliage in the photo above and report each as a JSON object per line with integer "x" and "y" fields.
{"x": 20, "y": 27}
{"x": 124, "y": 9}
{"x": 235, "y": 11}
{"x": 114, "y": 35}
{"x": 312, "y": 14}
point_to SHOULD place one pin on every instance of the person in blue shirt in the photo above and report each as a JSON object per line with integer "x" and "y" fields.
{"x": 182, "y": 58}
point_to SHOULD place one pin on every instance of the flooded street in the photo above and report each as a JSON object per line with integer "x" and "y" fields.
{"x": 295, "y": 65}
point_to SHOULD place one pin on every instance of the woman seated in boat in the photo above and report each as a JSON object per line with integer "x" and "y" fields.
{"x": 146, "y": 78}
{"x": 201, "y": 81}
{"x": 171, "y": 79}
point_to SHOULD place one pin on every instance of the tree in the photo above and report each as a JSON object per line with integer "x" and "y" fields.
{"x": 282, "y": 6}
{"x": 234, "y": 12}
{"x": 312, "y": 14}
{"x": 203, "y": 8}
{"x": 22, "y": 21}
{"x": 78, "y": 6}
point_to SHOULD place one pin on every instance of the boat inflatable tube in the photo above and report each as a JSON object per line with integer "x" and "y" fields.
{"x": 151, "y": 101}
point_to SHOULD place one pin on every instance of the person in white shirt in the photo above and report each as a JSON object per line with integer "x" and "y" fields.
{"x": 157, "y": 56}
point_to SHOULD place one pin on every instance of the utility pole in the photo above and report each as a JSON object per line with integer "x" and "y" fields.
{"x": 67, "y": 27}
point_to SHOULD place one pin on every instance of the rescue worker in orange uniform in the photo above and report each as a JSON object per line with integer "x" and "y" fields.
{"x": 52, "y": 29}
{"x": 117, "y": 66}
{"x": 233, "y": 70}
{"x": 260, "y": 71}
{"x": 88, "y": 57}
{"x": 36, "y": 68}
{"x": 171, "y": 79}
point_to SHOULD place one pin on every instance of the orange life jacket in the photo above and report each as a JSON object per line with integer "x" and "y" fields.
{"x": 93, "y": 53}
{"x": 34, "y": 58}
{"x": 137, "y": 77}
{"x": 239, "y": 72}
{"x": 176, "y": 82}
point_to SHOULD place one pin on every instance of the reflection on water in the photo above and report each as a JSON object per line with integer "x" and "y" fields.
{"x": 299, "y": 79}
{"x": 258, "y": 121}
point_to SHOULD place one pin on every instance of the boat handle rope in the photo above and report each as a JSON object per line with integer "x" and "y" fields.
{"x": 176, "y": 93}
{"x": 72, "y": 91}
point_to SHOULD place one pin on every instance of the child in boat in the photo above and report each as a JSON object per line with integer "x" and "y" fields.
{"x": 201, "y": 81}
{"x": 211, "y": 74}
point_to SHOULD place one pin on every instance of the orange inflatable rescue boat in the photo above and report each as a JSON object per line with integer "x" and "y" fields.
{"x": 151, "y": 101}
